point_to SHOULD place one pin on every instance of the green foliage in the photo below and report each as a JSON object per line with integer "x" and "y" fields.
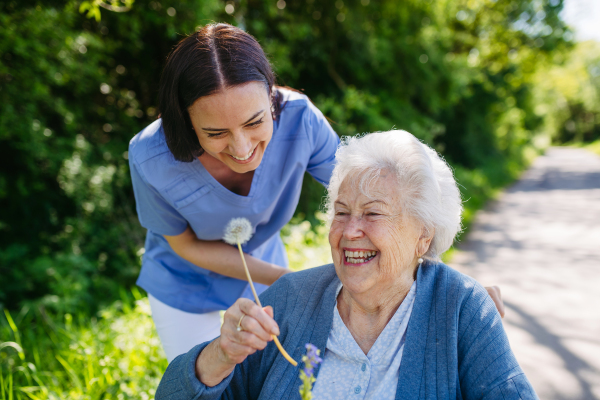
{"x": 307, "y": 246}
{"x": 77, "y": 81}
{"x": 116, "y": 356}
{"x": 568, "y": 95}
{"x": 72, "y": 94}
{"x": 93, "y": 7}
{"x": 455, "y": 73}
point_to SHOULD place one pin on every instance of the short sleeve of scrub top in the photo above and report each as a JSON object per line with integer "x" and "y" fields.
{"x": 171, "y": 195}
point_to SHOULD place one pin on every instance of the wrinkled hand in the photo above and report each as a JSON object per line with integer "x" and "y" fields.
{"x": 494, "y": 292}
{"x": 257, "y": 327}
{"x": 220, "y": 357}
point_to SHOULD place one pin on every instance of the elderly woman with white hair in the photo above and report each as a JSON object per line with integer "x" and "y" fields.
{"x": 392, "y": 321}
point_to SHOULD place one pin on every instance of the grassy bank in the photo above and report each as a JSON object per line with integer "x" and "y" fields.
{"x": 116, "y": 355}
{"x": 594, "y": 147}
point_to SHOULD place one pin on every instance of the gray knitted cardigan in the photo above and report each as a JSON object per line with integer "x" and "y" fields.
{"x": 455, "y": 348}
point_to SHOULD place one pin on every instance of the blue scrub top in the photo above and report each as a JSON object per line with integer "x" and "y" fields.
{"x": 170, "y": 195}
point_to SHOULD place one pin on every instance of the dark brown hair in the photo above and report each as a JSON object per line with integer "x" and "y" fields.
{"x": 214, "y": 58}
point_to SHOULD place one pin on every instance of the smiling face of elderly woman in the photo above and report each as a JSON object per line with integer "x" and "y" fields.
{"x": 374, "y": 243}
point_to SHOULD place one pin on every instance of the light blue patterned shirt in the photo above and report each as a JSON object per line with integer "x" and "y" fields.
{"x": 347, "y": 373}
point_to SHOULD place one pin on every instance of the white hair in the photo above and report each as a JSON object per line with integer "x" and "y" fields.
{"x": 428, "y": 190}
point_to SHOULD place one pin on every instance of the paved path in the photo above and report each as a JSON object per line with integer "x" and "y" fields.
{"x": 541, "y": 243}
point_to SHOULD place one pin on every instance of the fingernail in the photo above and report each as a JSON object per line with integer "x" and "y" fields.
{"x": 275, "y": 331}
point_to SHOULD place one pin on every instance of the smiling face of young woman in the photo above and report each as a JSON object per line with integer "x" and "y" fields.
{"x": 234, "y": 125}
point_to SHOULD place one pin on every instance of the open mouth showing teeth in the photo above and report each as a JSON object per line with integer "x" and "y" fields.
{"x": 359, "y": 257}
{"x": 244, "y": 158}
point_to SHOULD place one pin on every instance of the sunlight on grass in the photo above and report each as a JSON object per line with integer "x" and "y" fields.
{"x": 117, "y": 356}
{"x": 594, "y": 147}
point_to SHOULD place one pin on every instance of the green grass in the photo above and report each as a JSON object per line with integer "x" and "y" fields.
{"x": 594, "y": 147}
{"x": 115, "y": 356}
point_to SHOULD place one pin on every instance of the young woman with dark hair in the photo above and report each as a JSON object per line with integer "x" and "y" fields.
{"x": 229, "y": 143}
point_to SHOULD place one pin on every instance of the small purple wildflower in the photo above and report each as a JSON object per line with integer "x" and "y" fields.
{"x": 310, "y": 360}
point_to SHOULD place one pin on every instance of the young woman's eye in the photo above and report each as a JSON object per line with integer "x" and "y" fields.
{"x": 256, "y": 123}
{"x": 212, "y": 135}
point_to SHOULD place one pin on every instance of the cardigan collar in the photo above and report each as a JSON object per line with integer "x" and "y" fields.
{"x": 413, "y": 360}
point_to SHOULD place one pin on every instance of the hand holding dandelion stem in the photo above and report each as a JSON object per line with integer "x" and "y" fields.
{"x": 239, "y": 231}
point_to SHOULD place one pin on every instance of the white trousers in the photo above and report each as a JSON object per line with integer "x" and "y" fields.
{"x": 179, "y": 331}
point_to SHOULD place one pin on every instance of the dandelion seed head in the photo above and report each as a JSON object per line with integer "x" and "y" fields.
{"x": 238, "y": 230}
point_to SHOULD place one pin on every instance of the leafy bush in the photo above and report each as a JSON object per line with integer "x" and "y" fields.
{"x": 72, "y": 94}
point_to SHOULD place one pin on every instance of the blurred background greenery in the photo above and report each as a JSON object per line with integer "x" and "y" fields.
{"x": 488, "y": 83}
